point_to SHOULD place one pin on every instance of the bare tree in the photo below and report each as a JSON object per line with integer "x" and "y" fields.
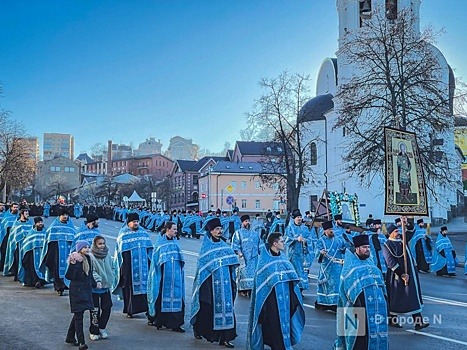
{"x": 98, "y": 151}
{"x": 16, "y": 163}
{"x": 399, "y": 82}
{"x": 276, "y": 119}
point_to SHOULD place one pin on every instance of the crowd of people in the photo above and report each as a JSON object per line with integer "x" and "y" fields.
{"x": 266, "y": 260}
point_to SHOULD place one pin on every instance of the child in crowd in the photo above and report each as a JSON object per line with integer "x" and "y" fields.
{"x": 103, "y": 274}
{"x": 79, "y": 273}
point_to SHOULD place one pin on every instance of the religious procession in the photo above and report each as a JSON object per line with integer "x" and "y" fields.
{"x": 266, "y": 260}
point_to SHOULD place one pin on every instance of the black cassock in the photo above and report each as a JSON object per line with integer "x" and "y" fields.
{"x": 205, "y": 318}
{"x": 269, "y": 318}
{"x": 30, "y": 275}
{"x": 132, "y": 304}
{"x": 420, "y": 255}
{"x": 401, "y": 298}
{"x": 167, "y": 319}
{"x": 52, "y": 263}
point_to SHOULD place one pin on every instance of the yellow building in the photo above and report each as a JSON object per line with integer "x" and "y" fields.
{"x": 238, "y": 184}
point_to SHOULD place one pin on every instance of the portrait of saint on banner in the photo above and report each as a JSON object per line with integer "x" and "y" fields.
{"x": 405, "y": 184}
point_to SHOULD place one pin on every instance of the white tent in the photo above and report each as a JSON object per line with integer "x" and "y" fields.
{"x": 135, "y": 198}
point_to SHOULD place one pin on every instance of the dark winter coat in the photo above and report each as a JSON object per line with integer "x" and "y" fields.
{"x": 80, "y": 287}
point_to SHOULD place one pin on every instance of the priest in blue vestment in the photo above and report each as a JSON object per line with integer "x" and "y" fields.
{"x": 402, "y": 283}
{"x": 29, "y": 273}
{"x": 166, "y": 282}
{"x": 421, "y": 247}
{"x": 330, "y": 252}
{"x": 444, "y": 256}
{"x": 362, "y": 287}
{"x": 132, "y": 259}
{"x": 278, "y": 224}
{"x": 214, "y": 289}
{"x": 300, "y": 247}
{"x": 46, "y": 209}
{"x": 246, "y": 244}
{"x": 277, "y": 316}
{"x": 88, "y": 230}
{"x": 18, "y": 231}
{"x": 57, "y": 247}
{"x": 377, "y": 240}
{"x": 5, "y": 226}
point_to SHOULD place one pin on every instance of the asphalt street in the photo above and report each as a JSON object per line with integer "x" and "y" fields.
{"x": 38, "y": 319}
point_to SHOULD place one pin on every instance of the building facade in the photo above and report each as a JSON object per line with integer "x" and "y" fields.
{"x": 150, "y": 146}
{"x": 56, "y": 176}
{"x": 182, "y": 149}
{"x": 56, "y": 144}
{"x": 227, "y": 185}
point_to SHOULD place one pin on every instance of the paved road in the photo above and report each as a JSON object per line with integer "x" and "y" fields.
{"x": 38, "y": 319}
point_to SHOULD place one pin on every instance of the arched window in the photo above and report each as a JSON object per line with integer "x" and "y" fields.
{"x": 313, "y": 154}
{"x": 391, "y": 9}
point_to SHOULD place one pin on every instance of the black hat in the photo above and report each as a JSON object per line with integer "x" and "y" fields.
{"x": 23, "y": 207}
{"x": 295, "y": 213}
{"x": 377, "y": 222}
{"x": 91, "y": 217}
{"x": 326, "y": 225}
{"x": 392, "y": 228}
{"x": 38, "y": 219}
{"x": 278, "y": 213}
{"x": 212, "y": 224}
{"x": 62, "y": 210}
{"x": 338, "y": 217}
{"x": 397, "y": 220}
{"x": 420, "y": 221}
{"x": 307, "y": 212}
{"x": 361, "y": 240}
{"x": 244, "y": 217}
{"x": 444, "y": 228}
{"x": 132, "y": 217}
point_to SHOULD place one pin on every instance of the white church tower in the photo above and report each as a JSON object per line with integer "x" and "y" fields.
{"x": 330, "y": 171}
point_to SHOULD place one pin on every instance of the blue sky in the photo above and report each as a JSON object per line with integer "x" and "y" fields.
{"x": 127, "y": 70}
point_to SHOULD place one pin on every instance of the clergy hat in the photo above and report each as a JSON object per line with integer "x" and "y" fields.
{"x": 307, "y": 212}
{"x": 62, "y": 210}
{"x": 397, "y": 220}
{"x": 38, "y": 219}
{"x": 420, "y": 221}
{"x": 295, "y": 213}
{"x": 91, "y": 217}
{"x": 326, "y": 225}
{"x": 212, "y": 224}
{"x": 338, "y": 217}
{"x": 244, "y": 217}
{"x": 278, "y": 213}
{"x": 80, "y": 245}
{"x": 361, "y": 240}
{"x": 444, "y": 228}
{"x": 392, "y": 228}
{"x": 132, "y": 217}
{"x": 377, "y": 222}
{"x": 23, "y": 207}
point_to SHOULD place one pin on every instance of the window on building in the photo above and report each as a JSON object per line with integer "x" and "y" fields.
{"x": 275, "y": 204}
{"x": 258, "y": 204}
{"x": 195, "y": 179}
{"x": 257, "y": 185}
{"x": 69, "y": 169}
{"x": 243, "y": 184}
{"x": 391, "y": 9}
{"x": 55, "y": 168}
{"x": 313, "y": 154}
{"x": 313, "y": 202}
{"x": 243, "y": 203}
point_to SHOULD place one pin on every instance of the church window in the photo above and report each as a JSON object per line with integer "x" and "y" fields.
{"x": 364, "y": 10}
{"x": 313, "y": 154}
{"x": 243, "y": 184}
{"x": 243, "y": 203}
{"x": 391, "y": 9}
